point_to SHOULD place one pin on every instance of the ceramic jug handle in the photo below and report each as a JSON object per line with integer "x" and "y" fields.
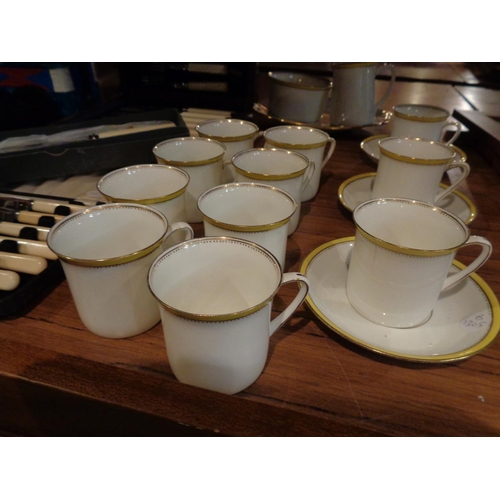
{"x": 331, "y": 149}
{"x": 280, "y": 320}
{"x": 457, "y": 132}
{"x": 179, "y": 226}
{"x": 307, "y": 178}
{"x": 475, "y": 265}
{"x": 465, "y": 172}
{"x": 391, "y": 84}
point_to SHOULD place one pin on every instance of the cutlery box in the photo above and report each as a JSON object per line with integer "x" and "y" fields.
{"x": 73, "y": 159}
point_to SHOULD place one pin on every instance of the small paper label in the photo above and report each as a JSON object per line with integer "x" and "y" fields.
{"x": 476, "y": 321}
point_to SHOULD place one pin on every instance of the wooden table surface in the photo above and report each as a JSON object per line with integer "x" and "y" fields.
{"x": 56, "y": 378}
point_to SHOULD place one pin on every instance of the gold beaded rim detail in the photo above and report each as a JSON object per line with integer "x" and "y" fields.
{"x": 415, "y": 118}
{"x": 411, "y": 159}
{"x": 108, "y": 261}
{"x": 415, "y": 252}
{"x": 211, "y": 318}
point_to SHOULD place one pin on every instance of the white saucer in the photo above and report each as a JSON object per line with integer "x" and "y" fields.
{"x": 370, "y": 147}
{"x": 358, "y": 189}
{"x": 465, "y": 320}
{"x": 381, "y": 117}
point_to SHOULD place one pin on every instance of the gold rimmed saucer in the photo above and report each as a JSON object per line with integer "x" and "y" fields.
{"x": 370, "y": 147}
{"x": 465, "y": 321}
{"x": 358, "y": 189}
{"x": 381, "y": 117}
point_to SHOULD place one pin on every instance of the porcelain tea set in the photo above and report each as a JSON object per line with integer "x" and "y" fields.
{"x": 133, "y": 261}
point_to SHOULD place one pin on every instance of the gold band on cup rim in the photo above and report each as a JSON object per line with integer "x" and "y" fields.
{"x": 226, "y": 138}
{"x": 195, "y": 163}
{"x": 412, "y": 159}
{"x": 415, "y": 118}
{"x": 415, "y": 252}
{"x": 146, "y": 201}
{"x": 327, "y": 85}
{"x": 241, "y": 228}
{"x": 108, "y": 261}
{"x": 286, "y": 145}
{"x": 216, "y": 317}
{"x": 271, "y": 177}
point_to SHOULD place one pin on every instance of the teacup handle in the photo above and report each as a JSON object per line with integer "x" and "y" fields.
{"x": 392, "y": 69}
{"x": 280, "y": 320}
{"x": 179, "y": 226}
{"x": 457, "y": 132}
{"x": 331, "y": 149}
{"x": 465, "y": 172}
{"x": 476, "y": 264}
{"x": 307, "y": 178}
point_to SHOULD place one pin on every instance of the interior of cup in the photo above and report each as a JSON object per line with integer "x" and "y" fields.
{"x": 296, "y": 135}
{"x": 107, "y": 231}
{"x": 300, "y": 80}
{"x": 270, "y": 161}
{"x": 411, "y": 224}
{"x": 247, "y": 204}
{"x": 422, "y": 111}
{"x": 214, "y": 276}
{"x": 190, "y": 149}
{"x": 143, "y": 182}
{"x": 227, "y": 128}
{"x": 417, "y": 148}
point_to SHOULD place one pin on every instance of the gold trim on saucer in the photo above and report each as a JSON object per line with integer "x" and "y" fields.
{"x": 488, "y": 338}
{"x": 466, "y": 200}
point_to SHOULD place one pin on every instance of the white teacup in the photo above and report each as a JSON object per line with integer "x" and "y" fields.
{"x": 413, "y": 168}
{"x": 256, "y": 212}
{"x": 280, "y": 168}
{"x": 353, "y": 93}
{"x": 159, "y": 186}
{"x": 106, "y": 252}
{"x": 425, "y": 122}
{"x": 297, "y": 97}
{"x": 215, "y": 298}
{"x": 402, "y": 254}
{"x": 236, "y": 135}
{"x": 202, "y": 158}
{"x": 311, "y": 142}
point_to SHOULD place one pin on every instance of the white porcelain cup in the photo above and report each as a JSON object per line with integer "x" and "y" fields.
{"x": 280, "y": 168}
{"x": 424, "y": 122}
{"x": 402, "y": 254}
{"x": 297, "y": 97}
{"x": 352, "y": 102}
{"x": 256, "y": 212}
{"x": 215, "y": 297}
{"x": 311, "y": 142}
{"x": 236, "y": 135}
{"x": 413, "y": 168}
{"x": 106, "y": 251}
{"x": 159, "y": 186}
{"x": 201, "y": 158}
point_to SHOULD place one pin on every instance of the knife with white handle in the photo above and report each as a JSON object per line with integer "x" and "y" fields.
{"x": 9, "y": 280}
{"x": 29, "y": 264}
{"x": 31, "y": 247}
{"x": 24, "y": 231}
